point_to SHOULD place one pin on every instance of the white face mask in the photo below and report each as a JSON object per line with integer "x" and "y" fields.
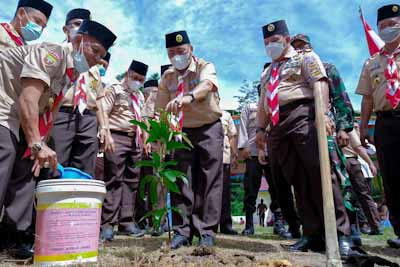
{"x": 133, "y": 85}
{"x": 274, "y": 50}
{"x": 181, "y": 62}
{"x": 389, "y": 34}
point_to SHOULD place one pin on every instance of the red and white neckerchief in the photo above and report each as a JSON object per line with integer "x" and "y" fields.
{"x": 46, "y": 120}
{"x": 135, "y": 107}
{"x": 180, "y": 93}
{"x": 392, "y": 78}
{"x": 80, "y": 97}
{"x": 17, "y": 40}
{"x": 272, "y": 93}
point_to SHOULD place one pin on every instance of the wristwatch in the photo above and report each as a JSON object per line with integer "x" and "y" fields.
{"x": 192, "y": 95}
{"x": 36, "y": 147}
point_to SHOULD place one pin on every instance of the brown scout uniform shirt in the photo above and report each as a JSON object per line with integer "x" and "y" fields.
{"x": 117, "y": 104}
{"x": 199, "y": 113}
{"x": 229, "y": 131}
{"x": 297, "y": 76}
{"x": 5, "y": 40}
{"x": 373, "y": 82}
{"x": 150, "y": 104}
{"x": 93, "y": 88}
{"x": 46, "y": 62}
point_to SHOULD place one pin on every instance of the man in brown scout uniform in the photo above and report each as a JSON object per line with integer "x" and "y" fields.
{"x": 379, "y": 86}
{"x": 230, "y": 158}
{"x": 191, "y": 87}
{"x": 27, "y": 25}
{"x": 75, "y": 129}
{"x": 123, "y": 102}
{"x": 30, "y": 76}
{"x": 286, "y": 104}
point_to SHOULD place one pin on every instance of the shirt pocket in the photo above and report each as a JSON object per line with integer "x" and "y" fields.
{"x": 377, "y": 78}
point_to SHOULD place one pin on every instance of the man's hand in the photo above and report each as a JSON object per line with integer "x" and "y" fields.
{"x": 176, "y": 104}
{"x": 343, "y": 138}
{"x": 364, "y": 137}
{"x": 261, "y": 157}
{"x": 109, "y": 145}
{"x": 260, "y": 140}
{"x": 45, "y": 158}
{"x": 373, "y": 169}
{"x": 147, "y": 149}
{"x": 245, "y": 153}
{"x": 329, "y": 125}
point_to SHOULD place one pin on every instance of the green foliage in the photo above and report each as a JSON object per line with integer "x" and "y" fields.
{"x": 237, "y": 195}
{"x": 164, "y": 175}
{"x": 249, "y": 93}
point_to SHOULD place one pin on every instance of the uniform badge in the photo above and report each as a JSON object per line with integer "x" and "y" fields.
{"x": 313, "y": 66}
{"x": 179, "y": 38}
{"x": 395, "y": 8}
{"x": 377, "y": 81}
{"x": 51, "y": 58}
{"x": 93, "y": 85}
{"x": 271, "y": 27}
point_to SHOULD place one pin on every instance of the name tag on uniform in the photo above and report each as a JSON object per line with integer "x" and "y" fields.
{"x": 194, "y": 82}
{"x": 375, "y": 66}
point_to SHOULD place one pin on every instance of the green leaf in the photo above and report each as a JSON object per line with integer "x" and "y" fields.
{"x": 156, "y": 159}
{"x": 187, "y": 140}
{"x": 141, "y": 124}
{"x": 144, "y": 163}
{"x": 176, "y": 145}
{"x": 184, "y": 179}
{"x": 171, "y": 186}
{"x": 169, "y": 163}
{"x": 172, "y": 174}
{"x": 145, "y": 180}
{"x": 154, "y": 192}
{"x": 177, "y": 210}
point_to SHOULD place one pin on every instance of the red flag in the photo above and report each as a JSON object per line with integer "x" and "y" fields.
{"x": 375, "y": 43}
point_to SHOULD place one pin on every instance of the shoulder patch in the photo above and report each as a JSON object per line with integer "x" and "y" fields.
{"x": 312, "y": 65}
{"x": 51, "y": 58}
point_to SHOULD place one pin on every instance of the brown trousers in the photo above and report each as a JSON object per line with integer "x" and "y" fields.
{"x": 387, "y": 141}
{"x": 226, "y": 216}
{"x": 122, "y": 182}
{"x": 363, "y": 192}
{"x": 293, "y": 148}
{"x": 200, "y": 200}
{"x": 76, "y": 142}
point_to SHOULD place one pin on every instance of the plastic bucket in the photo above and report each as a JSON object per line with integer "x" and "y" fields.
{"x": 68, "y": 221}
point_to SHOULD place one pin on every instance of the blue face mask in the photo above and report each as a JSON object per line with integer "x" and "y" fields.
{"x": 102, "y": 70}
{"x": 80, "y": 63}
{"x": 31, "y": 31}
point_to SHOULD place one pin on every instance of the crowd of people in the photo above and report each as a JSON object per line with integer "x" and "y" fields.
{"x": 56, "y": 108}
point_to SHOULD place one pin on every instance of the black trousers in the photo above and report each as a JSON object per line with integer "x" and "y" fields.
{"x": 387, "y": 141}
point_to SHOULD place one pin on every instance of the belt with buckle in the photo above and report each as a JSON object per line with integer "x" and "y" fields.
{"x": 293, "y": 105}
{"x": 389, "y": 113}
{"x": 76, "y": 111}
{"x": 129, "y": 134}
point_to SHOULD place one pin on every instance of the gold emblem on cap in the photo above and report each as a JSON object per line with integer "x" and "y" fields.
{"x": 179, "y": 38}
{"x": 395, "y": 8}
{"x": 271, "y": 27}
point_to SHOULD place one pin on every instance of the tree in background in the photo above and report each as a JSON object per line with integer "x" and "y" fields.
{"x": 249, "y": 93}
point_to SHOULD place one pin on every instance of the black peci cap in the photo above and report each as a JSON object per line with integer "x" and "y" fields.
{"x": 77, "y": 13}
{"x": 39, "y": 5}
{"x": 277, "y": 27}
{"x": 139, "y": 67}
{"x": 176, "y": 39}
{"x": 151, "y": 83}
{"x": 98, "y": 31}
{"x": 389, "y": 11}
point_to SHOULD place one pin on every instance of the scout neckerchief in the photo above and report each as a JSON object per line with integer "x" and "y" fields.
{"x": 135, "y": 107}
{"x": 392, "y": 78}
{"x": 272, "y": 93}
{"x": 80, "y": 97}
{"x": 17, "y": 40}
{"x": 180, "y": 92}
{"x": 46, "y": 120}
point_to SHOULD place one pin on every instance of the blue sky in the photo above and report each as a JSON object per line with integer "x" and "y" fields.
{"x": 227, "y": 33}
